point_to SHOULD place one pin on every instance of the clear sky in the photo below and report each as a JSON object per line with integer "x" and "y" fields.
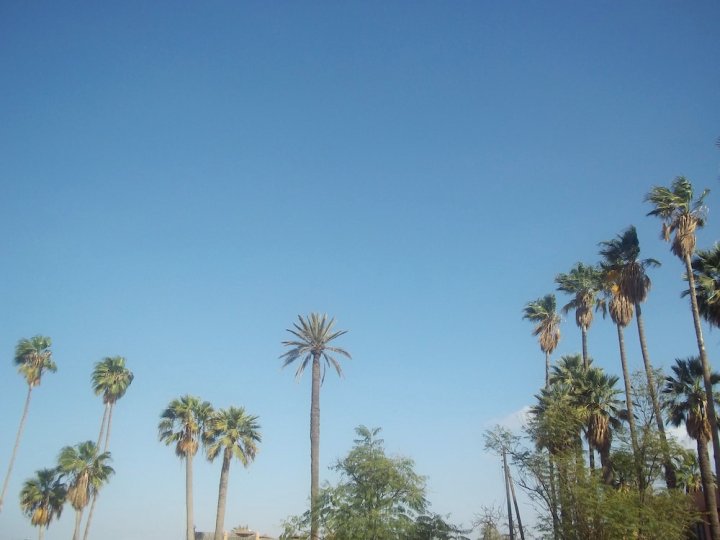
{"x": 180, "y": 180}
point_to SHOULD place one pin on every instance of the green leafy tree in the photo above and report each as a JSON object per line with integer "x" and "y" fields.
{"x": 629, "y": 272}
{"x": 42, "y": 498}
{"x": 687, "y": 404}
{"x": 682, "y": 214}
{"x": 543, "y": 313}
{"x": 182, "y": 423}
{"x": 234, "y": 434}
{"x": 311, "y": 344}
{"x": 111, "y": 379}
{"x": 86, "y": 471}
{"x": 33, "y": 358}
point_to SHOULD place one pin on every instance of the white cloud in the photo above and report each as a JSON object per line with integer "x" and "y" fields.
{"x": 514, "y": 421}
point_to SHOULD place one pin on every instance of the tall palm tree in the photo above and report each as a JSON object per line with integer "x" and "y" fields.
{"x": 687, "y": 404}
{"x": 311, "y": 344}
{"x": 236, "y": 434}
{"x": 42, "y": 498}
{"x": 681, "y": 216}
{"x": 543, "y": 313}
{"x": 182, "y": 423}
{"x": 33, "y": 358}
{"x": 706, "y": 272}
{"x": 623, "y": 266}
{"x": 584, "y": 283}
{"x": 111, "y": 379}
{"x": 86, "y": 472}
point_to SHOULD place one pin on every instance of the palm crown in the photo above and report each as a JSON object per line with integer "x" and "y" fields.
{"x": 233, "y": 431}
{"x": 584, "y": 282}
{"x": 313, "y": 337}
{"x": 621, "y": 263}
{"x": 686, "y": 397}
{"x": 42, "y": 497}
{"x": 183, "y": 423}
{"x": 543, "y": 313}
{"x": 706, "y": 268}
{"x": 34, "y": 357}
{"x": 680, "y": 212}
{"x": 86, "y": 471}
{"x": 111, "y": 378}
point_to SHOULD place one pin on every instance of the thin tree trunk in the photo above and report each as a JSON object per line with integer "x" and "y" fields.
{"x": 78, "y": 520}
{"x": 515, "y": 504}
{"x": 41, "y": 532}
{"x": 670, "y": 479}
{"x": 222, "y": 495}
{"x": 547, "y": 370}
{"x": 553, "y": 499}
{"x": 712, "y": 417}
{"x": 708, "y": 487}
{"x": 629, "y": 406}
{"x": 102, "y": 426}
{"x": 507, "y": 497}
{"x": 607, "y": 472}
{"x": 109, "y": 425}
{"x": 591, "y": 457}
{"x": 190, "y": 526}
{"x": 90, "y": 516}
{"x": 17, "y": 445}
{"x": 586, "y": 360}
{"x": 315, "y": 447}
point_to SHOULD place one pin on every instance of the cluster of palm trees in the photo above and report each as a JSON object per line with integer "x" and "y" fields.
{"x": 619, "y": 285}
{"x": 190, "y": 423}
{"x": 82, "y": 469}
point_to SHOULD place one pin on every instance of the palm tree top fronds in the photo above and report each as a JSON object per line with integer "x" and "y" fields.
{"x": 34, "y": 357}
{"x": 111, "y": 378}
{"x": 686, "y": 398}
{"x": 313, "y": 334}
{"x": 182, "y": 423}
{"x": 706, "y": 269}
{"x": 543, "y": 312}
{"x": 233, "y": 430}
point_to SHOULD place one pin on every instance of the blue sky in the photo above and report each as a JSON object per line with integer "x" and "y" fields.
{"x": 180, "y": 180}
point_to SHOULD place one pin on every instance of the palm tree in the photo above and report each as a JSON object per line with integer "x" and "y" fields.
{"x": 543, "y": 313}
{"x": 33, "y": 358}
{"x": 182, "y": 423}
{"x": 111, "y": 379}
{"x": 584, "y": 283}
{"x": 628, "y": 273}
{"x": 682, "y": 215}
{"x": 42, "y": 498}
{"x": 235, "y": 434}
{"x": 312, "y": 344}
{"x": 597, "y": 397}
{"x": 86, "y": 471}
{"x": 687, "y": 404}
{"x": 706, "y": 272}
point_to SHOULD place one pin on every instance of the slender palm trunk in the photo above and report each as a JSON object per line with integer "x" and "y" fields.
{"x": 109, "y": 425}
{"x": 222, "y": 495}
{"x": 607, "y": 472}
{"x": 102, "y": 425}
{"x": 712, "y": 417}
{"x": 586, "y": 360}
{"x": 708, "y": 487}
{"x": 78, "y": 520}
{"x": 547, "y": 370}
{"x": 190, "y": 526}
{"x": 315, "y": 447}
{"x": 41, "y": 532}
{"x": 507, "y": 497}
{"x": 670, "y": 479}
{"x": 107, "y": 413}
{"x": 17, "y": 445}
{"x": 629, "y": 407}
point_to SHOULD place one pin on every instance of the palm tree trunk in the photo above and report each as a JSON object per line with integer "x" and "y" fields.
{"x": 670, "y": 479}
{"x": 629, "y": 406}
{"x": 90, "y": 516}
{"x": 712, "y": 417}
{"x": 190, "y": 526}
{"x": 586, "y": 360}
{"x": 222, "y": 495}
{"x": 17, "y": 445}
{"x": 607, "y": 472}
{"x": 41, "y": 532}
{"x": 102, "y": 426}
{"x": 708, "y": 487}
{"x": 78, "y": 519}
{"x": 507, "y": 497}
{"x": 109, "y": 424}
{"x": 547, "y": 370}
{"x": 315, "y": 447}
